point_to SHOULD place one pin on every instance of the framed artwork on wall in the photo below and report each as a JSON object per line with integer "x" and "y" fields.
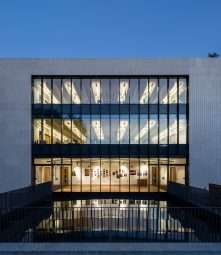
{"x": 133, "y": 172}
{"x": 87, "y": 172}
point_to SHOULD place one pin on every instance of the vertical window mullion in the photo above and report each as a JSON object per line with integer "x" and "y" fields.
{"x": 178, "y": 118}
{"x": 158, "y": 134}
{"x": 148, "y": 119}
{"x": 168, "y": 133}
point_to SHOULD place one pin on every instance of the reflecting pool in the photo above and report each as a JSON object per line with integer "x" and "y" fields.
{"x": 112, "y": 220}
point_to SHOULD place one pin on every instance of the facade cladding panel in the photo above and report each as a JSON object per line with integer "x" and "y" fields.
{"x": 111, "y": 134}
{"x": 95, "y": 140}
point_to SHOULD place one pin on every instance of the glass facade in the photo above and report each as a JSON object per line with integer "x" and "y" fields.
{"x": 110, "y": 134}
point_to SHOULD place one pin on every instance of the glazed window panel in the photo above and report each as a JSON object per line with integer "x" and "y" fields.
{"x": 163, "y": 129}
{"x": 56, "y": 96}
{"x": 134, "y": 91}
{"x": 144, "y": 91}
{"x": 86, "y": 91}
{"x": 37, "y": 131}
{"x": 105, "y": 129}
{"x": 115, "y": 121}
{"x": 43, "y": 174}
{"x": 86, "y": 128}
{"x": 105, "y": 175}
{"x": 105, "y": 91}
{"x": 97, "y": 134}
{"x": 124, "y": 94}
{"x": 76, "y": 91}
{"x": 173, "y": 91}
{"x": 163, "y": 91}
{"x": 123, "y": 129}
{"x": 134, "y": 129}
{"x": 66, "y": 131}
{"x": 57, "y": 127}
{"x": 172, "y": 129}
{"x": 182, "y": 91}
{"x": 47, "y": 131}
{"x": 95, "y": 175}
{"x": 115, "y": 172}
{"x": 124, "y": 175}
{"x": 109, "y": 174}
{"x": 95, "y": 91}
{"x": 153, "y": 129}
{"x": 79, "y": 134}
{"x": 142, "y": 137}
{"x": 47, "y": 91}
{"x": 153, "y": 91}
{"x": 37, "y": 91}
{"x": 115, "y": 91}
{"x": 66, "y": 91}
{"x": 182, "y": 129}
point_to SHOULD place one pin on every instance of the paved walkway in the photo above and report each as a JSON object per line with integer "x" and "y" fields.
{"x": 111, "y": 248}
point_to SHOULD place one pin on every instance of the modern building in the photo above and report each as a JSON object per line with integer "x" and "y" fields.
{"x": 110, "y": 125}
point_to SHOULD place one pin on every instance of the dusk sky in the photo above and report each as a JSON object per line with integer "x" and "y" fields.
{"x": 110, "y": 28}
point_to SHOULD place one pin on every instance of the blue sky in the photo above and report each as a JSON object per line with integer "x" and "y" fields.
{"x": 109, "y": 28}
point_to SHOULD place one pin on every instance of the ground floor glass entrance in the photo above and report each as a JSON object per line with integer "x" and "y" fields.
{"x": 109, "y": 174}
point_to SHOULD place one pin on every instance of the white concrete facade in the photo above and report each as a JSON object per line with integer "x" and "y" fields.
{"x": 204, "y": 109}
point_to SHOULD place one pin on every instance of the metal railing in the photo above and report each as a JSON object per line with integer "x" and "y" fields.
{"x": 24, "y": 196}
{"x": 91, "y": 223}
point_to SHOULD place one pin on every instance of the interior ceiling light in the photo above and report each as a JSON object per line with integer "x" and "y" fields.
{"x": 144, "y": 130}
{"x": 96, "y": 88}
{"x": 75, "y": 96}
{"x": 96, "y": 124}
{"x": 75, "y": 130}
{"x": 122, "y": 129}
{"x": 47, "y": 95}
{"x": 123, "y": 91}
{"x": 144, "y": 97}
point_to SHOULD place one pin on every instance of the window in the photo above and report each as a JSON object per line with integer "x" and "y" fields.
{"x": 66, "y": 91}
{"x": 56, "y": 91}
{"x": 163, "y": 129}
{"x": 182, "y": 91}
{"x": 142, "y": 137}
{"x": 46, "y": 91}
{"x": 57, "y": 126}
{"x": 153, "y": 127}
{"x": 182, "y": 129}
{"x": 144, "y": 91}
{"x": 37, "y": 91}
{"x": 163, "y": 91}
{"x": 172, "y": 129}
{"x": 37, "y": 131}
{"x": 153, "y": 91}
{"x": 134, "y": 129}
{"x": 75, "y": 91}
{"x": 91, "y": 123}
{"x": 173, "y": 91}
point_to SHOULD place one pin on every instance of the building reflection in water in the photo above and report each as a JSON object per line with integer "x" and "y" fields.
{"x": 114, "y": 219}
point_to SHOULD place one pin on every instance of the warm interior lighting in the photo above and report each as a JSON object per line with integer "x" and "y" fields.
{"x": 144, "y": 97}
{"x": 122, "y": 129}
{"x": 96, "y": 124}
{"x": 143, "y": 169}
{"x": 96, "y": 89}
{"x": 76, "y": 131}
{"x": 123, "y": 91}
{"x": 47, "y": 94}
